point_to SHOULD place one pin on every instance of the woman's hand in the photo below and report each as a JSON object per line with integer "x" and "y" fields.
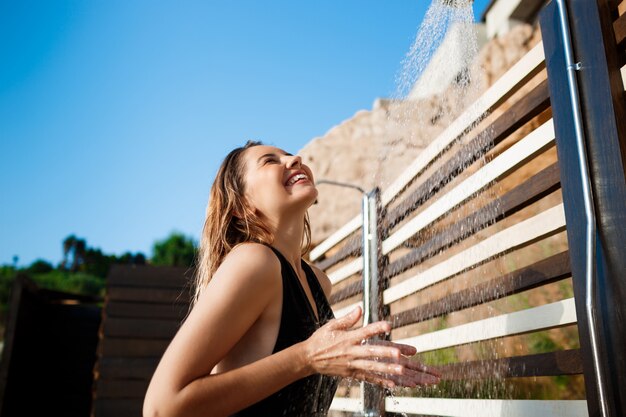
{"x": 336, "y": 350}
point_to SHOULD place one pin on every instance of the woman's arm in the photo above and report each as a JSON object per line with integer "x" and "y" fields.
{"x": 241, "y": 289}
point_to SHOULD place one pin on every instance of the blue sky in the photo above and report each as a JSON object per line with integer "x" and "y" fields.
{"x": 114, "y": 115}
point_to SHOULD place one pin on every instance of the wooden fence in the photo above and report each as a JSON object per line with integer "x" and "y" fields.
{"x": 143, "y": 309}
{"x": 483, "y": 245}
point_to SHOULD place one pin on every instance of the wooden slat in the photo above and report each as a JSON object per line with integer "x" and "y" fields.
{"x": 345, "y": 231}
{"x": 345, "y": 310}
{"x": 126, "y": 368}
{"x": 347, "y": 292}
{"x": 534, "y": 143}
{"x": 146, "y": 310}
{"x": 147, "y": 295}
{"x": 148, "y": 276}
{"x": 122, "y": 389}
{"x": 127, "y": 347}
{"x": 563, "y": 362}
{"x": 529, "y": 106}
{"x": 531, "y": 190}
{"x": 487, "y": 408}
{"x": 346, "y": 271}
{"x": 140, "y": 328}
{"x": 544, "y": 224}
{"x": 560, "y": 313}
{"x": 346, "y": 404}
{"x": 117, "y": 407}
{"x": 352, "y": 247}
{"x": 504, "y": 87}
{"x": 543, "y": 272}
{"x": 526, "y": 68}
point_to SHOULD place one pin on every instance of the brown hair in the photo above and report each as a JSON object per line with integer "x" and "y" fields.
{"x": 230, "y": 221}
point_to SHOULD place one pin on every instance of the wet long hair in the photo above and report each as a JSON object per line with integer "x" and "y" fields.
{"x": 231, "y": 221}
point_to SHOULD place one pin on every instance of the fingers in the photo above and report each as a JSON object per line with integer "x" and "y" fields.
{"x": 380, "y": 368}
{"x": 406, "y": 350}
{"x": 347, "y": 321}
{"x": 384, "y": 372}
{"x": 374, "y": 351}
{"x": 371, "y": 330}
{"x": 422, "y": 368}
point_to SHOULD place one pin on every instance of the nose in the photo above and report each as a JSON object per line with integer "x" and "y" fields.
{"x": 294, "y": 161}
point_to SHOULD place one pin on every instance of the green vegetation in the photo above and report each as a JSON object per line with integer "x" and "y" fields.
{"x": 176, "y": 250}
{"x": 83, "y": 269}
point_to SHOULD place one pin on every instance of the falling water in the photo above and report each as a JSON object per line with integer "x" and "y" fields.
{"x": 441, "y": 20}
{"x": 438, "y": 80}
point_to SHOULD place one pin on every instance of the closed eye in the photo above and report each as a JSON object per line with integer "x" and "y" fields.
{"x": 270, "y": 161}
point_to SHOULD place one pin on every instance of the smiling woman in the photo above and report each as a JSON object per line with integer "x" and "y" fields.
{"x": 261, "y": 338}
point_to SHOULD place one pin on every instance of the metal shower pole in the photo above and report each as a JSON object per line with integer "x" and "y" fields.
{"x": 372, "y": 396}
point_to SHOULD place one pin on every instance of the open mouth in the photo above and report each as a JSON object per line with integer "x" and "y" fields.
{"x": 296, "y": 178}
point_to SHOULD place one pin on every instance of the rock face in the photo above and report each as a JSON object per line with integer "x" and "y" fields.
{"x": 375, "y": 146}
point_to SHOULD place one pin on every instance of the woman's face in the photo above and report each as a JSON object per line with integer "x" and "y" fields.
{"x": 277, "y": 183}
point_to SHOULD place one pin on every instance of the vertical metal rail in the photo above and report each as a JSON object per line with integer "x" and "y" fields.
{"x": 372, "y": 396}
{"x": 590, "y": 283}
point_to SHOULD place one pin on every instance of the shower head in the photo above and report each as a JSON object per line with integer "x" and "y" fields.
{"x": 456, "y": 3}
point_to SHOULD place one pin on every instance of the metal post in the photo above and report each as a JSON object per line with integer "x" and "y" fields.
{"x": 587, "y": 108}
{"x": 372, "y": 396}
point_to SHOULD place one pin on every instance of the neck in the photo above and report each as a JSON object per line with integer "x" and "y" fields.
{"x": 288, "y": 235}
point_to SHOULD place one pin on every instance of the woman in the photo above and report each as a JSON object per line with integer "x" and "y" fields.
{"x": 261, "y": 339}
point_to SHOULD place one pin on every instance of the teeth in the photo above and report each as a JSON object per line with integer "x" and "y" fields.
{"x": 295, "y": 178}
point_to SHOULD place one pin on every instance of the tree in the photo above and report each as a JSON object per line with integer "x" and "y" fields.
{"x": 40, "y": 266}
{"x": 175, "y": 250}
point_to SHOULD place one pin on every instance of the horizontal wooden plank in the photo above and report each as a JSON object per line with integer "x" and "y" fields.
{"x": 544, "y": 224}
{"x": 146, "y": 310}
{"x": 149, "y": 276}
{"x": 126, "y": 368}
{"x": 107, "y": 407}
{"x": 503, "y": 88}
{"x": 563, "y": 362}
{"x": 130, "y": 347}
{"x": 534, "y": 143}
{"x": 140, "y": 328}
{"x": 342, "y": 233}
{"x": 540, "y": 273}
{"x": 353, "y": 405}
{"x": 106, "y": 388}
{"x": 531, "y": 190}
{"x": 347, "y": 292}
{"x": 526, "y": 108}
{"x": 345, "y": 310}
{"x": 148, "y": 295}
{"x": 346, "y": 271}
{"x": 487, "y": 408}
{"x": 352, "y": 247}
{"x": 560, "y": 313}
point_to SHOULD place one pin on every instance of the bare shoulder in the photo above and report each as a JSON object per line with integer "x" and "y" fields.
{"x": 250, "y": 265}
{"x": 327, "y": 286}
{"x": 253, "y": 254}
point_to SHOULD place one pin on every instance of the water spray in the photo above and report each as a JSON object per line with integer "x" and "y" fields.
{"x": 456, "y": 3}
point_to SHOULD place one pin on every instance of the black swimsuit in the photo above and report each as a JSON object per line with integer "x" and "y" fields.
{"x": 310, "y": 396}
